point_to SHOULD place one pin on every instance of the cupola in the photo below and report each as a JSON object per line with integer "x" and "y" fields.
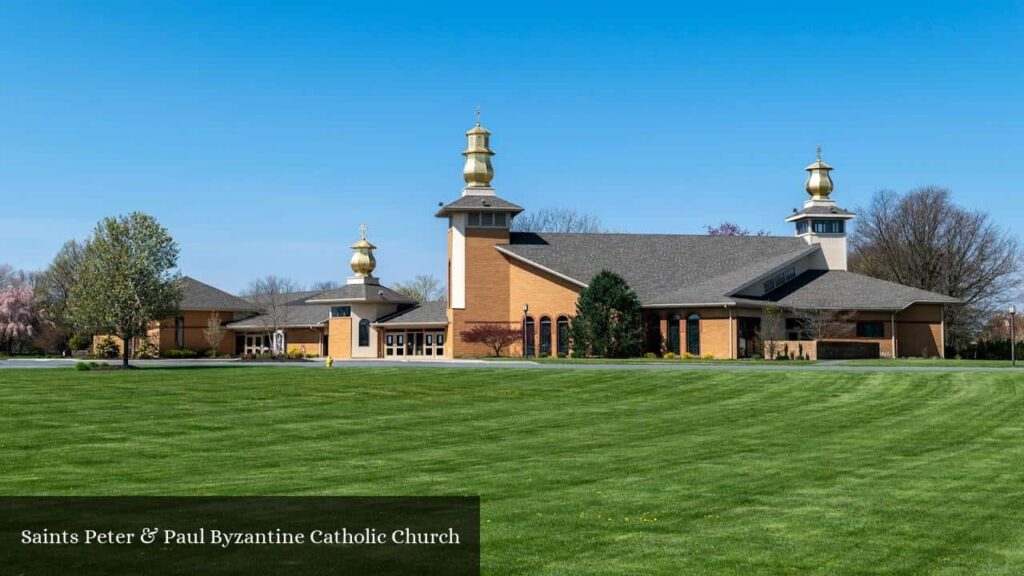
{"x": 821, "y": 221}
{"x": 819, "y": 183}
{"x": 477, "y": 171}
{"x": 362, "y": 261}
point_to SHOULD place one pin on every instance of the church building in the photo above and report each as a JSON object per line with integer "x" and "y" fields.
{"x": 701, "y": 295}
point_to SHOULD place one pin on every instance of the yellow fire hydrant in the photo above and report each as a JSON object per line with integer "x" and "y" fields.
{"x": 329, "y": 361}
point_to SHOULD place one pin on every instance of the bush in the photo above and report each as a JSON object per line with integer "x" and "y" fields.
{"x": 180, "y": 353}
{"x": 296, "y": 354}
{"x": 107, "y": 348}
{"x": 670, "y": 355}
{"x": 79, "y": 342}
{"x": 146, "y": 350}
{"x": 83, "y": 367}
{"x": 708, "y": 356}
{"x": 756, "y": 357}
{"x": 562, "y": 355}
{"x": 688, "y": 356}
{"x": 650, "y": 355}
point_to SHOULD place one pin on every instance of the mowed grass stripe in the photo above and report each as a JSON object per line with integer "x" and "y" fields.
{"x": 581, "y": 472}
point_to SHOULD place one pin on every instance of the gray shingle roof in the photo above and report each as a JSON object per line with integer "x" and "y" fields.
{"x": 467, "y": 203}
{"x": 663, "y": 269}
{"x": 295, "y": 316}
{"x": 822, "y": 211}
{"x": 428, "y": 313}
{"x": 199, "y": 296}
{"x": 840, "y": 289}
{"x": 360, "y": 293}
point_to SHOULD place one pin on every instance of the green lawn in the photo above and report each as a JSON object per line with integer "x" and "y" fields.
{"x": 555, "y": 360}
{"x": 935, "y": 362}
{"x": 580, "y": 472}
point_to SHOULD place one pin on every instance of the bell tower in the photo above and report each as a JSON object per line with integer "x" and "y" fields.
{"x": 479, "y": 220}
{"x": 822, "y": 221}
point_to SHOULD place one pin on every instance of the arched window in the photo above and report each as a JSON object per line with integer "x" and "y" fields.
{"x": 693, "y": 334}
{"x": 545, "y": 336}
{"x": 653, "y": 338}
{"x": 528, "y": 345}
{"x": 364, "y": 332}
{"x": 673, "y": 333}
{"x": 563, "y": 335}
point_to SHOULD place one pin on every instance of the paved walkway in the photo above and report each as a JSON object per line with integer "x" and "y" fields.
{"x": 836, "y": 366}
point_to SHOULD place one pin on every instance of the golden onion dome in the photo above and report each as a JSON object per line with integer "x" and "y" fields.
{"x": 819, "y": 183}
{"x": 362, "y": 261}
{"x": 477, "y": 171}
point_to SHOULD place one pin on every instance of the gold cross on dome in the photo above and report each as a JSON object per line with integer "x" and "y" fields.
{"x": 362, "y": 231}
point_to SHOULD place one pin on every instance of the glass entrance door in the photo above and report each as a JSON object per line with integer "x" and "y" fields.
{"x": 413, "y": 343}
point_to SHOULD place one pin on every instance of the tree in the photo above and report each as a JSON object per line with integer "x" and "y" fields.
{"x": 214, "y": 332}
{"x": 772, "y": 330}
{"x": 557, "y": 220}
{"x": 18, "y": 317}
{"x": 271, "y": 296}
{"x": 732, "y": 229}
{"x": 607, "y": 321}
{"x": 7, "y": 276}
{"x": 496, "y": 336}
{"x": 823, "y": 324}
{"x": 923, "y": 239}
{"x": 53, "y": 290}
{"x": 126, "y": 279}
{"x": 324, "y": 285}
{"x": 422, "y": 288}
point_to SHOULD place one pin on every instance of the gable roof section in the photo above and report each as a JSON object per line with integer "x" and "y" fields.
{"x": 839, "y": 289}
{"x": 370, "y": 293}
{"x": 295, "y": 316}
{"x": 197, "y": 295}
{"x": 663, "y": 269}
{"x": 426, "y": 314}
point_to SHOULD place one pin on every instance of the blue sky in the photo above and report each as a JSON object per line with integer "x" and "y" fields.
{"x": 263, "y": 134}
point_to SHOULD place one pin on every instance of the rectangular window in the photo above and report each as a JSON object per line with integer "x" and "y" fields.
{"x": 828, "y": 226}
{"x": 802, "y": 227}
{"x": 870, "y": 330}
{"x": 390, "y": 340}
{"x": 796, "y": 329}
{"x": 401, "y": 340}
{"x": 440, "y": 339}
{"x": 341, "y": 311}
{"x": 179, "y": 332}
{"x": 430, "y": 339}
{"x": 488, "y": 219}
{"x": 779, "y": 279}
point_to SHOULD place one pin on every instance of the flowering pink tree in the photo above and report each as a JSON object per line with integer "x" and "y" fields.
{"x": 18, "y": 316}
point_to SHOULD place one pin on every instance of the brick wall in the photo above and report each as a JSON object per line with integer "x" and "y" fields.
{"x": 339, "y": 337}
{"x": 305, "y": 339}
{"x": 487, "y": 289}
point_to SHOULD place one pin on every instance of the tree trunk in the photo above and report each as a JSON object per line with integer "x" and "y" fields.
{"x": 126, "y": 351}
